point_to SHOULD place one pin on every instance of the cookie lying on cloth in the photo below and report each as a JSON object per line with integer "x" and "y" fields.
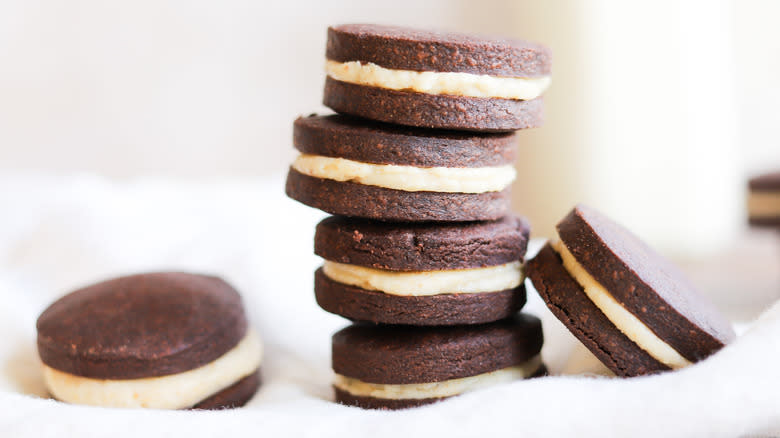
{"x": 421, "y": 274}
{"x": 385, "y": 367}
{"x": 435, "y": 79}
{"x": 631, "y": 307}
{"x": 764, "y": 200}
{"x": 161, "y": 340}
{"x": 358, "y": 168}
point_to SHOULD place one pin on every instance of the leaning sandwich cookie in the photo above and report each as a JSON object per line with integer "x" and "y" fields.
{"x": 358, "y": 168}
{"x": 435, "y": 79}
{"x": 421, "y": 274}
{"x": 631, "y": 307}
{"x": 160, "y": 340}
{"x": 386, "y": 367}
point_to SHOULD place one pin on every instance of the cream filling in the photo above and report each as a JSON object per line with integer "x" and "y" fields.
{"x": 427, "y": 283}
{"x": 175, "y": 391}
{"x": 408, "y": 178}
{"x": 431, "y": 82}
{"x": 624, "y": 320}
{"x": 446, "y": 388}
{"x": 764, "y": 204}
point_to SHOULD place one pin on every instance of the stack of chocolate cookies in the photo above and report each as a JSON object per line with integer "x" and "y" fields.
{"x": 423, "y": 251}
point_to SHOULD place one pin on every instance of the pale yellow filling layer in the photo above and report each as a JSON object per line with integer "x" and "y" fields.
{"x": 427, "y": 283}
{"x": 430, "y": 82}
{"x": 175, "y": 391}
{"x": 624, "y": 320}
{"x": 446, "y": 388}
{"x": 764, "y": 204}
{"x": 408, "y": 178}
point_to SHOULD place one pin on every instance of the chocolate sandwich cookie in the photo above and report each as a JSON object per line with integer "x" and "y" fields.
{"x": 764, "y": 200}
{"x": 385, "y": 367}
{"x": 421, "y": 274}
{"x": 161, "y": 340}
{"x": 631, "y": 307}
{"x": 354, "y": 167}
{"x": 435, "y": 79}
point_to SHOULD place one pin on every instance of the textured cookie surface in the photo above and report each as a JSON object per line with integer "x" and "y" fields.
{"x": 421, "y": 247}
{"x": 645, "y": 284}
{"x": 404, "y": 355}
{"x": 566, "y": 299}
{"x": 361, "y": 140}
{"x": 435, "y": 79}
{"x": 139, "y": 326}
{"x": 427, "y": 274}
{"x": 379, "y": 203}
{"x": 422, "y": 110}
{"x": 405, "y": 48}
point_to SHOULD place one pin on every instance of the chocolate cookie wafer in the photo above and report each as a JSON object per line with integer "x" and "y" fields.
{"x": 421, "y": 274}
{"x": 161, "y": 340}
{"x": 386, "y": 367}
{"x": 435, "y": 79}
{"x": 631, "y": 307}
{"x": 357, "y": 168}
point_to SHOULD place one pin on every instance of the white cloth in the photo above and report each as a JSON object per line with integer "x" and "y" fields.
{"x": 59, "y": 233}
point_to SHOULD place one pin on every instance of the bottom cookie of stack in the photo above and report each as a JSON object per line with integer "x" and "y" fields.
{"x": 392, "y": 367}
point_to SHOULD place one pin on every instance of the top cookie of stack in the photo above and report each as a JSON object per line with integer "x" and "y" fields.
{"x": 434, "y": 79}
{"x": 362, "y": 164}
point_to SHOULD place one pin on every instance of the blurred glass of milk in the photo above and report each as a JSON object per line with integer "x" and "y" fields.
{"x": 640, "y": 120}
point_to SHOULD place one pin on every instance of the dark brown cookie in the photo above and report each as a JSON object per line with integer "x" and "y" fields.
{"x": 144, "y": 325}
{"x": 403, "y": 48}
{"x": 421, "y": 247}
{"x": 567, "y": 301}
{"x": 433, "y": 111}
{"x": 411, "y": 247}
{"x": 403, "y": 355}
{"x": 345, "y": 398}
{"x": 379, "y": 203}
{"x": 366, "y": 402}
{"x": 645, "y": 284}
{"x": 437, "y": 310}
{"x": 234, "y": 396}
{"x": 365, "y": 141}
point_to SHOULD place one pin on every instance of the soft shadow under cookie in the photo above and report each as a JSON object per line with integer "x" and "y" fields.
{"x": 22, "y": 370}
